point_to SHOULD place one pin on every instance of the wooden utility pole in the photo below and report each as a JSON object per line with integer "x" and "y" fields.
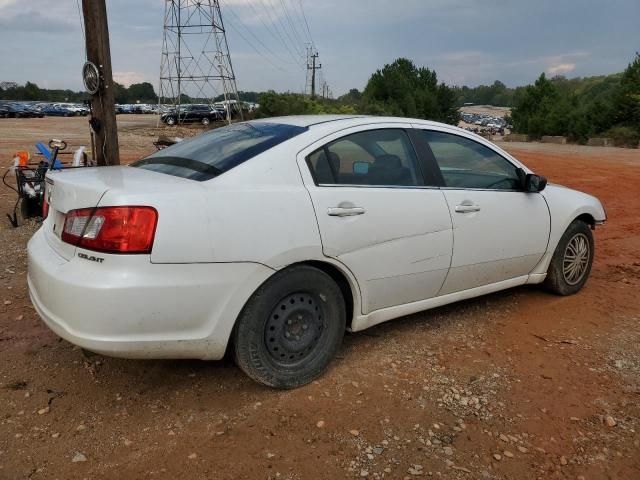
{"x": 103, "y": 109}
{"x": 313, "y": 67}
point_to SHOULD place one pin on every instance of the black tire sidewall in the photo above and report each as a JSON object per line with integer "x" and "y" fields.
{"x": 555, "y": 280}
{"x": 251, "y": 352}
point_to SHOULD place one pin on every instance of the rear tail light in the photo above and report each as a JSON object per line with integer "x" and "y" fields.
{"x": 111, "y": 229}
{"x": 45, "y": 209}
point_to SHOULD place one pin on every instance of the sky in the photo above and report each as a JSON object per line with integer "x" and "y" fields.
{"x": 467, "y": 42}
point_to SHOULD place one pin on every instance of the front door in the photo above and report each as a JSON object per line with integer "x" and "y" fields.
{"x": 378, "y": 216}
{"x": 500, "y": 231}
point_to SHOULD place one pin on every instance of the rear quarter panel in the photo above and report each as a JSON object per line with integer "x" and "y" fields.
{"x": 261, "y": 212}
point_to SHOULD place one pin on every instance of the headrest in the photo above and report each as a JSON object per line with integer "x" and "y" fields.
{"x": 388, "y": 161}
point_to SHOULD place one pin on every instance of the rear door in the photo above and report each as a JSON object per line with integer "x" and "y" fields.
{"x": 500, "y": 232}
{"x": 378, "y": 214}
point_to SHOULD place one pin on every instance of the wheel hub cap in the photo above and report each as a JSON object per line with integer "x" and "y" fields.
{"x": 576, "y": 259}
{"x": 294, "y": 328}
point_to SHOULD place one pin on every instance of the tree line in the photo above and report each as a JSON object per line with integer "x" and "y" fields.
{"x": 576, "y": 108}
{"x": 580, "y": 109}
{"x": 135, "y": 93}
{"x": 398, "y": 89}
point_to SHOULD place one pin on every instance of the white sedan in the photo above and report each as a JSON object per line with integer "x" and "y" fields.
{"x": 273, "y": 237}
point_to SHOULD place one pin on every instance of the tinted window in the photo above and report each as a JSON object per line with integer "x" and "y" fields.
{"x": 374, "y": 157}
{"x": 468, "y": 164}
{"x": 213, "y": 153}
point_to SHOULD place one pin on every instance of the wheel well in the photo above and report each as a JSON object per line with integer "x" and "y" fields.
{"x": 342, "y": 282}
{"x": 588, "y": 219}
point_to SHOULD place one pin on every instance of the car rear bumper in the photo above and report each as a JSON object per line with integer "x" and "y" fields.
{"x": 128, "y": 307}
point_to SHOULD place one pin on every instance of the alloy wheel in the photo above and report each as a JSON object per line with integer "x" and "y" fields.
{"x": 576, "y": 259}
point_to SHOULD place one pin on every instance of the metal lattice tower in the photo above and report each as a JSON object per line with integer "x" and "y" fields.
{"x": 196, "y": 65}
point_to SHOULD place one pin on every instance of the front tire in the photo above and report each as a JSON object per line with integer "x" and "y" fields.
{"x": 291, "y": 328}
{"x": 571, "y": 263}
{"x": 205, "y": 121}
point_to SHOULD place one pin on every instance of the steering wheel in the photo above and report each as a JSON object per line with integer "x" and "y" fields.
{"x": 60, "y": 144}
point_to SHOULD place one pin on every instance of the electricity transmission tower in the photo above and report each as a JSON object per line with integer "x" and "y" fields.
{"x": 196, "y": 64}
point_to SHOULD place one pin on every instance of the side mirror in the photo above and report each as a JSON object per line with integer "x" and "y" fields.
{"x": 534, "y": 183}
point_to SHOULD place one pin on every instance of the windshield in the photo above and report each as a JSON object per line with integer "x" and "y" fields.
{"x": 213, "y": 153}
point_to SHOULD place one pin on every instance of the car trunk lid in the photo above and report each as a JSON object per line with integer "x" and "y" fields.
{"x": 71, "y": 189}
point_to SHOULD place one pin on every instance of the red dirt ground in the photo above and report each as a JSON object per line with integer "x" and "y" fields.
{"x": 516, "y": 385}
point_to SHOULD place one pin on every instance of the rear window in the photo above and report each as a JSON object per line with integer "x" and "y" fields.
{"x": 213, "y": 153}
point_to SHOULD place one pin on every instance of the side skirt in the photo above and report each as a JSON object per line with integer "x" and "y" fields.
{"x": 363, "y": 322}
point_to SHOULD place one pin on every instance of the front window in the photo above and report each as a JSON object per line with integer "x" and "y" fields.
{"x": 465, "y": 163}
{"x": 213, "y": 153}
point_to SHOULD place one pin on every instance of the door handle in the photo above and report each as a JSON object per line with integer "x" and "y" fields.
{"x": 345, "y": 212}
{"x": 467, "y": 208}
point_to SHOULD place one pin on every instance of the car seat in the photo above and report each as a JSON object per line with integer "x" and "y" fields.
{"x": 388, "y": 170}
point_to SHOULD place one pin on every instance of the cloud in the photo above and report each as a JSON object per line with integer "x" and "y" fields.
{"x": 561, "y": 69}
{"x": 467, "y": 42}
{"x": 128, "y": 78}
{"x": 35, "y": 22}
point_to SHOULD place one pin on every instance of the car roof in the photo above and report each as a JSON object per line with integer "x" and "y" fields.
{"x": 307, "y": 120}
{"x": 343, "y": 120}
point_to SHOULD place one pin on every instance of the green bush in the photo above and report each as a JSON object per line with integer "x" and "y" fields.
{"x": 624, "y": 136}
{"x": 274, "y": 104}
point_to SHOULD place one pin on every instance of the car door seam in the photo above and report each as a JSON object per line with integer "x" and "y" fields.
{"x": 453, "y": 242}
{"x": 315, "y": 214}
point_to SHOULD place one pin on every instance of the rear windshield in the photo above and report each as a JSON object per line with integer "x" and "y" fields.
{"x": 213, "y": 153}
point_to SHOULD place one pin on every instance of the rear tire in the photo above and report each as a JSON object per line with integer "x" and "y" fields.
{"x": 291, "y": 328}
{"x": 571, "y": 263}
{"x": 170, "y": 121}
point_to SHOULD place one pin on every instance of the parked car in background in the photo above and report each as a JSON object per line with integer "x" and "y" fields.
{"x": 57, "y": 111}
{"x": 148, "y": 109}
{"x": 4, "y": 111}
{"x": 75, "y": 108}
{"x": 275, "y": 236}
{"x": 203, "y": 114}
{"x": 34, "y": 110}
{"x": 18, "y": 110}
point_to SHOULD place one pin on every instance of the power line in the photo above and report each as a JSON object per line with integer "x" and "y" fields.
{"x": 286, "y": 41}
{"x": 291, "y": 24}
{"x": 274, "y": 33}
{"x": 285, "y": 29}
{"x": 261, "y": 43}
{"x": 304, "y": 17}
{"x": 256, "y": 50}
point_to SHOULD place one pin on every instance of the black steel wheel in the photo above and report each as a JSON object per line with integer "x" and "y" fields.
{"x": 290, "y": 328}
{"x": 294, "y": 328}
